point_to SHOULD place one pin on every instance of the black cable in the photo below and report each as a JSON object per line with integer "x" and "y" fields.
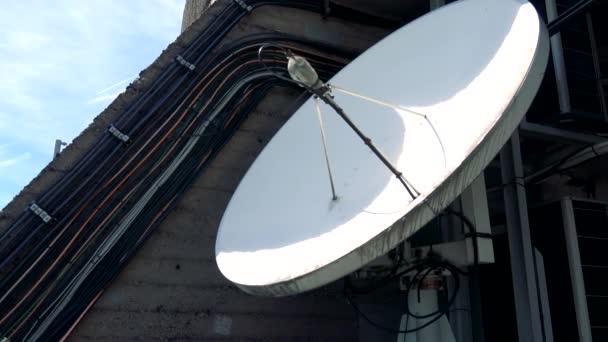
{"x": 147, "y": 112}
{"x": 425, "y": 268}
{"x": 114, "y": 265}
{"x": 472, "y": 233}
{"x": 436, "y": 315}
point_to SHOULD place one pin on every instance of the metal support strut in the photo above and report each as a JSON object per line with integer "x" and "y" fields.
{"x": 556, "y": 25}
{"x": 323, "y": 93}
{"x": 527, "y": 310}
{"x": 334, "y": 197}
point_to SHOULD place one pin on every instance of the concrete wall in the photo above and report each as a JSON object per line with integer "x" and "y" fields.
{"x": 172, "y": 289}
{"x": 395, "y": 10}
{"x": 193, "y": 10}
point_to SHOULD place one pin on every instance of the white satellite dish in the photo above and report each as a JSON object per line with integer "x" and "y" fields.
{"x": 473, "y": 67}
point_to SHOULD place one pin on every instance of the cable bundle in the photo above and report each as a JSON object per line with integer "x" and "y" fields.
{"x": 111, "y": 200}
{"x": 421, "y": 270}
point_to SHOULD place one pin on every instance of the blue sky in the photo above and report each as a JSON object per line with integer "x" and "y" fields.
{"x": 61, "y": 63}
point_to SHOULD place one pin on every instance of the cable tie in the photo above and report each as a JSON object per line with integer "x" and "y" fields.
{"x": 185, "y": 63}
{"x": 40, "y": 212}
{"x": 243, "y": 5}
{"x": 118, "y": 134}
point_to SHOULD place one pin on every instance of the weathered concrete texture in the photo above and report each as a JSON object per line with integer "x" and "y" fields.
{"x": 394, "y": 10}
{"x": 308, "y": 25}
{"x": 193, "y": 10}
{"x": 172, "y": 289}
{"x": 205, "y": 326}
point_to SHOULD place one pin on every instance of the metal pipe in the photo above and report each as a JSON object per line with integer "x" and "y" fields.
{"x": 596, "y": 66}
{"x": 322, "y": 93}
{"x": 557, "y": 54}
{"x": 534, "y": 130}
{"x": 527, "y": 310}
{"x": 576, "y": 272}
{"x": 58, "y": 144}
{"x": 556, "y": 25}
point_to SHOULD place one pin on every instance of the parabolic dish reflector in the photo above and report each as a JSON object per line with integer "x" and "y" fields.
{"x": 472, "y": 67}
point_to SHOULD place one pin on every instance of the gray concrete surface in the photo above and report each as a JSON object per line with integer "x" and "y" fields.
{"x": 395, "y": 10}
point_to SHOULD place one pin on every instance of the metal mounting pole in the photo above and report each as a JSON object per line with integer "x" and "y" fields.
{"x": 57, "y": 150}
{"x": 556, "y": 24}
{"x": 527, "y": 310}
{"x": 576, "y": 272}
{"x": 559, "y": 66}
{"x": 322, "y": 93}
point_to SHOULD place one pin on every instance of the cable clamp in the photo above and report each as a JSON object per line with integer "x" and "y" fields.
{"x": 40, "y": 212}
{"x": 244, "y": 5}
{"x": 185, "y": 63}
{"x": 118, "y": 134}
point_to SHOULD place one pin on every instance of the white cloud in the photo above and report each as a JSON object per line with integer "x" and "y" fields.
{"x": 54, "y": 58}
{"x": 16, "y": 160}
{"x": 104, "y": 98}
{"x": 6, "y": 161}
{"x": 25, "y": 40}
{"x": 69, "y": 51}
{"x": 115, "y": 85}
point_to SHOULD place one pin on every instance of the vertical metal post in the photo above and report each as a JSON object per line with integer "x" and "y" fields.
{"x": 596, "y": 66}
{"x": 527, "y": 309}
{"x": 474, "y": 202}
{"x": 576, "y": 272}
{"x": 461, "y": 319}
{"x": 57, "y": 150}
{"x": 557, "y": 52}
{"x": 544, "y": 295}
